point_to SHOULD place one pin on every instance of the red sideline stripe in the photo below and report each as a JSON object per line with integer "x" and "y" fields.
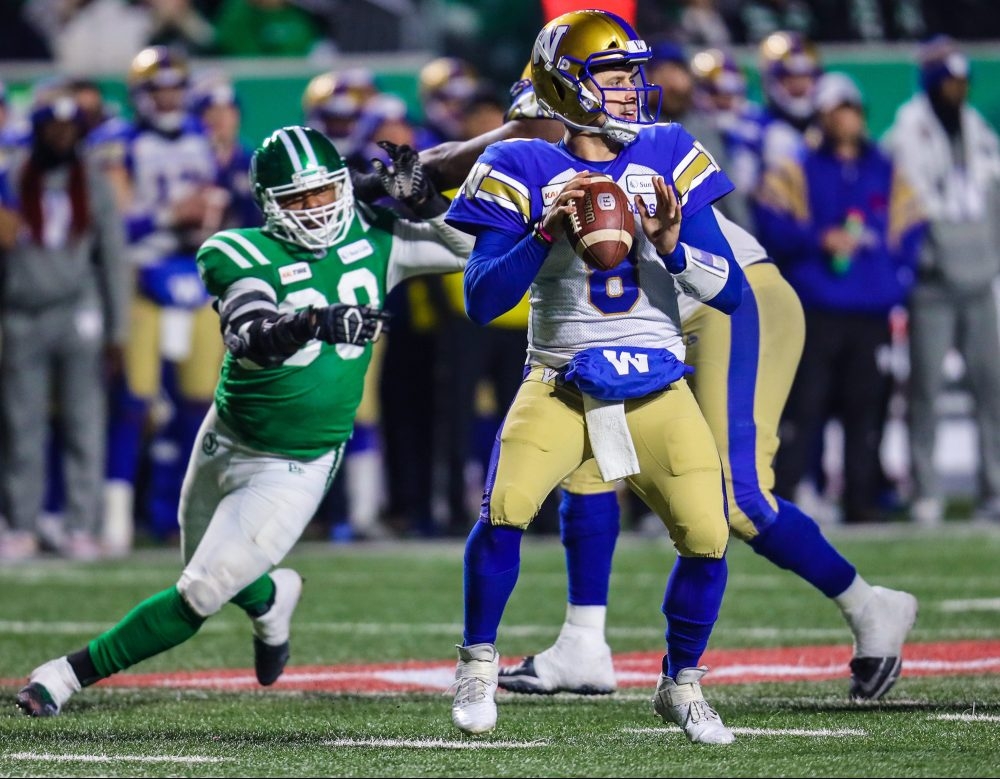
{"x": 635, "y": 669}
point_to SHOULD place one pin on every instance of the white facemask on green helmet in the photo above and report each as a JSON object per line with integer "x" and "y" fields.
{"x": 292, "y": 162}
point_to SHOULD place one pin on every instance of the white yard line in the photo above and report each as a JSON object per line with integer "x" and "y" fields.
{"x": 429, "y": 743}
{"x": 805, "y": 732}
{"x": 968, "y": 717}
{"x": 970, "y": 604}
{"x": 48, "y": 758}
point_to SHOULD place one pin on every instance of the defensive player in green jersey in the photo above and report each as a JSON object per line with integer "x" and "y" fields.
{"x": 299, "y": 302}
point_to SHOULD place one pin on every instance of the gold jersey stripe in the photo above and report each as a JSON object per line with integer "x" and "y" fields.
{"x": 505, "y": 192}
{"x": 697, "y": 166}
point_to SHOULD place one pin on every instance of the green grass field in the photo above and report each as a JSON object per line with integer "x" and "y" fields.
{"x": 383, "y": 604}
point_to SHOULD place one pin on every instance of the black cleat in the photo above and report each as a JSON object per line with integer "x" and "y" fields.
{"x": 873, "y": 677}
{"x": 35, "y": 701}
{"x": 269, "y": 661}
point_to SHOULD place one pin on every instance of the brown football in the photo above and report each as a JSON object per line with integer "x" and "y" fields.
{"x": 602, "y": 229}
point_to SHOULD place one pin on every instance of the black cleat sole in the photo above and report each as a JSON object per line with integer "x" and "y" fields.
{"x": 269, "y": 661}
{"x": 873, "y": 677}
{"x": 35, "y": 701}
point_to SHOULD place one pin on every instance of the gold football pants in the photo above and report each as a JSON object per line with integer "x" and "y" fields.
{"x": 744, "y": 365}
{"x": 544, "y": 439}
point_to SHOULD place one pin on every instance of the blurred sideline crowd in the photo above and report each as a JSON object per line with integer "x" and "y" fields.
{"x": 83, "y": 37}
{"x": 110, "y": 347}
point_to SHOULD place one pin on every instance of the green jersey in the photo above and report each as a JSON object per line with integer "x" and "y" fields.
{"x": 305, "y": 406}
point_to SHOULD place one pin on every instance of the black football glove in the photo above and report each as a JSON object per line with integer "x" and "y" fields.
{"x": 343, "y": 324}
{"x": 367, "y": 186}
{"x": 405, "y": 179}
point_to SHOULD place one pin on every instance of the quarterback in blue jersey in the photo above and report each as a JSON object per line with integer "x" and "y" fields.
{"x": 604, "y": 379}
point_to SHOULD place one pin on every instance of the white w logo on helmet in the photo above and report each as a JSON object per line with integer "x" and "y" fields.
{"x": 548, "y": 42}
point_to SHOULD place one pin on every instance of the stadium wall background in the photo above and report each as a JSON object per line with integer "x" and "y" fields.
{"x": 271, "y": 89}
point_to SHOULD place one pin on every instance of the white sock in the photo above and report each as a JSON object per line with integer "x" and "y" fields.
{"x": 853, "y": 599}
{"x": 585, "y": 619}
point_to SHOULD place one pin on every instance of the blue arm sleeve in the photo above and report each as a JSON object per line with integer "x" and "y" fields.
{"x": 499, "y": 272}
{"x": 702, "y": 231}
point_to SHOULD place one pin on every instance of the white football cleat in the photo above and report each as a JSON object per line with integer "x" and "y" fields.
{"x": 682, "y": 703}
{"x": 271, "y": 646}
{"x": 578, "y": 662}
{"x": 880, "y": 630}
{"x": 474, "y": 709}
{"x": 49, "y": 687}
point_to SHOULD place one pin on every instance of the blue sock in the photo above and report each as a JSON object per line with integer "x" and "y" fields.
{"x": 794, "y": 542}
{"x": 492, "y": 562}
{"x": 127, "y": 419}
{"x": 363, "y": 439}
{"x": 691, "y": 606}
{"x": 171, "y": 451}
{"x": 588, "y": 526}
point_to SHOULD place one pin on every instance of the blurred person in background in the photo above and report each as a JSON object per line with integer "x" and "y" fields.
{"x": 64, "y": 314}
{"x": 90, "y": 36}
{"x": 8, "y": 234}
{"x": 480, "y": 371}
{"x": 20, "y": 38}
{"x": 267, "y": 28}
{"x": 720, "y": 93}
{"x": 871, "y": 20}
{"x": 179, "y": 24}
{"x": 952, "y": 156}
{"x": 333, "y": 101}
{"x": 4, "y": 108}
{"x": 845, "y": 228}
{"x": 383, "y": 117}
{"x": 94, "y": 111}
{"x": 215, "y": 104}
{"x": 164, "y": 173}
{"x": 752, "y": 21}
{"x": 701, "y": 24}
{"x": 408, "y": 389}
{"x": 358, "y": 495}
{"x": 789, "y": 66}
{"x": 446, "y": 87}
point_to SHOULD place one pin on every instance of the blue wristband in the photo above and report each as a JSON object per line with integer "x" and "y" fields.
{"x": 676, "y": 261}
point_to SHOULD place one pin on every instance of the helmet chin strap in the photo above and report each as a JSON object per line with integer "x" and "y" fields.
{"x": 616, "y": 131}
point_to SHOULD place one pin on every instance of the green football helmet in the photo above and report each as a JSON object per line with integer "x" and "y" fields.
{"x": 293, "y": 161}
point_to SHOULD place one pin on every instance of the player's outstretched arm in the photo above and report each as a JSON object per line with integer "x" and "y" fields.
{"x": 448, "y": 163}
{"x": 253, "y": 329}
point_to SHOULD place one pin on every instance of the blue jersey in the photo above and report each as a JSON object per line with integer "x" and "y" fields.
{"x": 574, "y": 307}
{"x": 163, "y": 169}
{"x": 817, "y": 191}
{"x": 234, "y": 177}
